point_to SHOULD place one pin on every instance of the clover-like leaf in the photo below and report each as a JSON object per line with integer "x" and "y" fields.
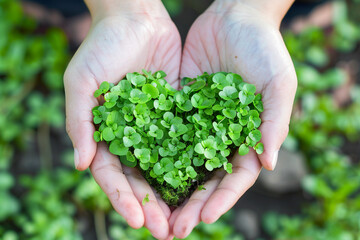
{"x": 129, "y": 160}
{"x": 144, "y": 166}
{"x": 97, "y": 136}
{"x": 159, "y": 74}
{"x": 117, "y": 148}
{"x": 228, "y": 168}
{"x": 171, "y": 178}
{"x": 155, "y": 132}
{"x": 209, "y": 166}
{"x": 243, "y": 149}
{"x": 258, "y": 103}
{"x": 158, "y": 169}
{"x": 246, "y": 98}
{"x": 143, "y": 155}
{"x": 151, "y": 90}
{"x": 212, "y": 163}
{"x": 259, "y": 148}
{"x": 220, "y": 81}
{"x": 98, "y": 118}
{"x": 235, "y": 131}
{"x": 234, "y": 78}
{"x": 191, "y": 172}
{"x": 136, "y": 79}
{"x": 163, "y": 104}
{"x": 199, "y": 148}
{"x": 249, "y": 88}
{"x": 198, "y": 161}
{"x": 197, "y": 85}
{"x": 255, "y": 135}
{"x": 98, "y": 92}
{"x": 108, "y": 134}
{"x": 131, "y": 137}
{"x": 210, "y": 153}
{"x": 137, "y": 96}
{"x": 103, "y": 88}
{"x": 113, "y": 118}
{"x": 177, "y": 130}
{"x": 229, "y": 113}
{"x": 167, "y": 164}
{"x": 229, "y": 93}
{"x": 124, "y": 89}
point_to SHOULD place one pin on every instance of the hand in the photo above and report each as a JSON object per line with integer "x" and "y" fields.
{"x": 123, "y": 38}
{"x": 232, "y": 36}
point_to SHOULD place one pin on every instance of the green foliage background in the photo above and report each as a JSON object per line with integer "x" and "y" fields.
{"x": 321, "y": 128}
{"x": 53, "y": 201}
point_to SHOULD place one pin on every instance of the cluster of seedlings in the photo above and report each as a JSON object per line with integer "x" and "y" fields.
{"x": 178, "y": 138}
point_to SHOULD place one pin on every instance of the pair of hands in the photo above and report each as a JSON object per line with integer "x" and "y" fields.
{"x": 230, "y": 36}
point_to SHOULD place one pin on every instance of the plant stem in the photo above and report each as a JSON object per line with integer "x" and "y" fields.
{"x": 221, "y": 120}
{"x": 44, "y": 144}
{"x": 100, "y": 224}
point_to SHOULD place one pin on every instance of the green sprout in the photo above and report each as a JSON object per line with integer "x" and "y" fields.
{"x": 146, "y": 199}
{"x": 177, "y": 138}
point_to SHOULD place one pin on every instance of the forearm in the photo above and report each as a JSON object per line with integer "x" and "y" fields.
{"x": 274, "y": 10}
{"x": 103, "y": 8}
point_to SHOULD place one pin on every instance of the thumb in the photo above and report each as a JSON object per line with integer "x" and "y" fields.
{"x": 278, "y": 98}
{"x": 79, "y": 123}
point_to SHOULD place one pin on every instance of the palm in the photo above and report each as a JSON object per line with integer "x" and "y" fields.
{"x": 118, "y": 45}
{"x": 242, "y": 42}
{"x": 247, "y": 45}
{"x": 114, "y": 47}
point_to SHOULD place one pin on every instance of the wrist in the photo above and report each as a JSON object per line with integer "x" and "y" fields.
{"x": 274, "y": 10}
{"x": 100, "y": 9}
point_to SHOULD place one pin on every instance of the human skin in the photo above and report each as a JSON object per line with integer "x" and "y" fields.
{"x": 123, "y": 38}
{"x": 240, "y": 36}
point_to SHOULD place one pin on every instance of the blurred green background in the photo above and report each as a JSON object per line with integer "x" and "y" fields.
{"x": 313, "y": 194}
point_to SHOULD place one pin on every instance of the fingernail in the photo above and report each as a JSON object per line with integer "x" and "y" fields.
{"x": 76, "y": 158}
{"x": 275, "y": 158}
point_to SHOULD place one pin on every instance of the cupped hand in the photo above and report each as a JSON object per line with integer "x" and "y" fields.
{"x": 235, "y": 37}
{"x": 127, "y": 40}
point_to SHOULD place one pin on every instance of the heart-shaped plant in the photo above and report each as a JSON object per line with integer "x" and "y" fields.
{"x": 177, "y": 138}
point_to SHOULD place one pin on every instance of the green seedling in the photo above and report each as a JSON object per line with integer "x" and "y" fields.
{"x": 146, "y": 199}
{"x": 178, "y": 138}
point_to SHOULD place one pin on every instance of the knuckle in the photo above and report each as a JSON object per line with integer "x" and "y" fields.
{"x": 115, "y": 195}
{"x": 106, "y": 168}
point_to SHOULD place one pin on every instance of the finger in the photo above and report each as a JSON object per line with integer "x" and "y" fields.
{"x": 278, "y": 98}
{"x": 155, "y": 219}
{"x": 174, "y": 216}
{"x": 245, "y": 171}
{"x": 79, "y": 119}
{"x": 172, "y": 220}
{"x": 164, "y": 207}
{"x": 107, "y": 172}
{"x": 189, "y": 216}
{"x": 170, "y": 237}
